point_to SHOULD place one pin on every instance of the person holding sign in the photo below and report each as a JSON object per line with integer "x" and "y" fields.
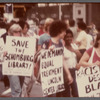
{"x": 71, "y": 55}
{"x": 27, "y": 81}
{"x": 3, "y": 34}
{"x": 15, "y": 30}
{"x": 89, "y": 71}
{"x": 92, "y": 56}
{"x": 25, "y": 27}
{"x": 57, "y": 32}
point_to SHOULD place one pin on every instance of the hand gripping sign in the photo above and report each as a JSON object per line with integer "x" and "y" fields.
{"x": 88, "y": 81}
{"x": 51, "y": 70}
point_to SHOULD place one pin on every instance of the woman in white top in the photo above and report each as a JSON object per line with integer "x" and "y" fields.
{"x": 81, "y": 39}
{"x": 71, "y": 56}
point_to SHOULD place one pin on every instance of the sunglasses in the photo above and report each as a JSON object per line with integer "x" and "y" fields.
{"x": 17, "y": 31}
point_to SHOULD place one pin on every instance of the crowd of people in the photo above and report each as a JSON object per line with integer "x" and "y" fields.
{"x": 78, "y": 40}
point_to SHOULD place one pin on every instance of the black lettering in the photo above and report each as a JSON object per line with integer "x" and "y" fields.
{"x": 49, "y": 54}
{"x": 92, "y": 87}
{"x": 91, "y": 70}
{"x": 7, "y": 57}
{"x": 96, "y": 77}
{"x": 45, "y": 74}
{"x": 31, "y": 58}
{"x": 23, "y": 65}
{"x": 51, "y": 90}
{"x": 20, "y": 57}
{"x": 26, "y": 44}
{"x": 45, "y": 91}
{"x": 94, "y": 69}
{"x": 99, "y": 85}
{"x": 29, "y": 66}
{"x": 47, "y": 64}
{"x": 9, "y": 64}
{"x": 54, "y": 80}
{"x": 16, "y": 64}
{"x": 90, "y": 79}
{"x": 20, "y": 65}
{"x": 86, "y": 70}
{"x": 57, "y": 52}
{"x": 26, "y": 66}
{"x": 20, "y": 43}
{"x": 51, "y": 72}
{"x": 61, "y": 86}
{"x": 44, "y": 56}
{"x": 53, "y": 52}
{"x": 88, "y": 89}
{"x": 14, "y": 43}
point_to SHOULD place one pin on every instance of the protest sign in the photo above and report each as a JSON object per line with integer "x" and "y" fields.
{"x": 51, "y": 70}
{"x": 88, "y": 81}
{"x": 20, "y": 54}
{"x": 1, "y": 50}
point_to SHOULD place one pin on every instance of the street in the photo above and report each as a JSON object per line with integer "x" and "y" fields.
{"x": 35, "y": 92}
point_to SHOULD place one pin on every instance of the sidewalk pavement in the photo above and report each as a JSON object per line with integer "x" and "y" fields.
{"x": 35, "y": 92}
{"x": 7, "y": 93}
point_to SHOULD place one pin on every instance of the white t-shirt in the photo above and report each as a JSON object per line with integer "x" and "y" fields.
{"x": 75, "y": 33}
{"x": 89, "y": 41}
{"x": 82, "y": 38}
{"x": 70, "y": 57}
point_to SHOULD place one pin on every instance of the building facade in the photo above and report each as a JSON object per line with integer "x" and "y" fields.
{"x": 88, "y": 12}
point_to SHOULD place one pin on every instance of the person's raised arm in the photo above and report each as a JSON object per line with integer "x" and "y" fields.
{"x": 84, "y": 61}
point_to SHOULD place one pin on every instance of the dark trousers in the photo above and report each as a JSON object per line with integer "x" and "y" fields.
{"x": 6, "y": 81}
{"x": 21, "y": 78}
{"x": 4, "y": 78}
{"x": 70, "y": 90}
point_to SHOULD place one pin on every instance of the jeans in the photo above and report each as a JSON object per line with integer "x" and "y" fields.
{"x": 27, "y": 86}
{"x": 15, "y": 85}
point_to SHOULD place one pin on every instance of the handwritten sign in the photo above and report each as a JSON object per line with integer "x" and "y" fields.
{"x": 88, "y": 81}
{"x": 51, "y": 69}
{"x": 1, "y": 50}
{"x": 20, "y": 54}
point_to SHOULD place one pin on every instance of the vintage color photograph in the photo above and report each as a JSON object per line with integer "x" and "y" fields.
{"x": 49, "y": 50}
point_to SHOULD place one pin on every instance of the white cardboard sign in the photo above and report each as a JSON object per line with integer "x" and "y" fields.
{"x": 20, "y": 54}
{"x": 88, "y": 81}
{"x": 51, "y": 69}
